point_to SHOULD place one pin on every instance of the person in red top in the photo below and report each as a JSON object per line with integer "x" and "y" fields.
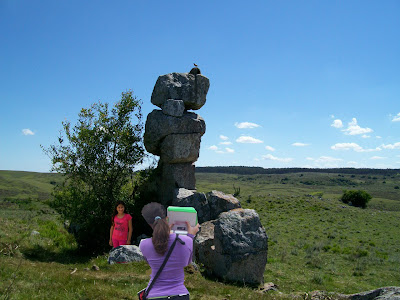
{"x": 121, "y": 226}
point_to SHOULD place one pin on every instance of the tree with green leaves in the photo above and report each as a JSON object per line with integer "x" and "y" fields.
{"x": 356, "y": 198}
{"x": 97, "y": 157}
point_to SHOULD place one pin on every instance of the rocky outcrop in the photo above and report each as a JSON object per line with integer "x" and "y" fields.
{"x": 232, "y": 244}
{"x": 125, "y": 254}
{"x": 175, "y": 134}
{"x": 385, "y": 293}
{"x": 234, "y": 247}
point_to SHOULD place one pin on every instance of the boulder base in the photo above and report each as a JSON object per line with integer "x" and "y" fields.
{"x": 234, "y": 247}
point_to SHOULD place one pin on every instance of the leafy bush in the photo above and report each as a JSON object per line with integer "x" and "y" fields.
{"x": 356, "y": 198}
{"x": 97, "y": 157}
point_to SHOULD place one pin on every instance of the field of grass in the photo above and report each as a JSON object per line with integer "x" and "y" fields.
{"x": 315, "y": 241}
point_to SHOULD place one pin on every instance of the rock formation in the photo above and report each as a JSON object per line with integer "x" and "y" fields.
{"x": 232, "y": 244}
{"x": 175, "y": 134}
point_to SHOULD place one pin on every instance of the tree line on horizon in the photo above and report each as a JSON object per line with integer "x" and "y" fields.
{"x": 243, "y": 170}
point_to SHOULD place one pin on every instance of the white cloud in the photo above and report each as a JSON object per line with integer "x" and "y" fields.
{"x": 27, "y": 131}
{"x": 391, "y": 146}
{"x": 377, "y": 157}
{"x": 299, "y": 144}
{"x": 269, "y": 148}
{"x": 352, "y": 146}
{"x": 352, "y": 163}
{"x": 355, "y": 129}
{"x": 309, "y": 158}
{"x": 396, "y": 118}
{"x": 248, "y": 140}
{"x": 364, "y": 136}
{"x": 229, "y": 150}
{"x": 246, "y": 125}
{"x": 271, "y": 157}
{"x": 223, "y": 137}
{"x": 213, "y": 147}
{"x": 327, "y": 159}
{"x": 337, "y": 123}
{"x": 378, "y": 137}
{"x": 220, "y": 151}
{"x": 226, "y": 143}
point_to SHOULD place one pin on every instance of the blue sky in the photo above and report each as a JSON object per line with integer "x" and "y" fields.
{"x": 293, "y": 83}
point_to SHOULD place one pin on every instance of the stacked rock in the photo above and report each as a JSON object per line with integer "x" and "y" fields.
{"x": 174, "y": 133}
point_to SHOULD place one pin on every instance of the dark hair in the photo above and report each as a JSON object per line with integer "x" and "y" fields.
{"x": 115, "y": 212}
{"x": 160, "y": 236}
{"x": 160, "y": 226}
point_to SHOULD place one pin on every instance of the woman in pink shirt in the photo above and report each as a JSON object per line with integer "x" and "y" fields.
{"x": 121, "y": 226}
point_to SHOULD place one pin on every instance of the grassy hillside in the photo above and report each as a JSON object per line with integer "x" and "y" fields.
{"x": 315, "y": 241}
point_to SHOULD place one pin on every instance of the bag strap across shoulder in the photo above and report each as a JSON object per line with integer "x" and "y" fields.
{"x": 164, "y": 263}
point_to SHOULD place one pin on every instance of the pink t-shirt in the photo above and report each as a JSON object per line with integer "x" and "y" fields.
{"x": 121, "y": 226}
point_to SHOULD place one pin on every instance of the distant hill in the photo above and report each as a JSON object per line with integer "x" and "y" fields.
{"x": 258, "y": 170}
{"x": 27, "y": 185}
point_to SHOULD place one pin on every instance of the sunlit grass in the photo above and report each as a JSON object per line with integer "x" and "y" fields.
{"x": 315, "y": 241}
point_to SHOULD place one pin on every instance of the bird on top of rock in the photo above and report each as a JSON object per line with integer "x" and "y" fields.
{"x": 195, "y": 70}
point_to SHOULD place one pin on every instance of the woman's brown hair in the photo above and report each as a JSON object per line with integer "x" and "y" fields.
{"x": 160, "y": 236}
{"x": 154, "y": 214}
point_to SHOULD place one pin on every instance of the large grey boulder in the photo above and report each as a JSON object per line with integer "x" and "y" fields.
{"x": 220, "y": 202}
{"x": 181, "y": 148}
{"x": 173, "y": 107}
{"x": 125, "y": 254}
{"x": 192, "y": 89}
{"x": 159, "y": 125}
{"x": 191, "y": 198}
{"x": 234, "y": 247}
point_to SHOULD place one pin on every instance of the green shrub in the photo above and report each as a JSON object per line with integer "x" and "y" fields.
{"x": 97, "y": 157}
{"x": 357, "y": 198}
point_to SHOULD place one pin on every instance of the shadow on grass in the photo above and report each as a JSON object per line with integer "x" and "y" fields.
{"x": 70, "y": 256}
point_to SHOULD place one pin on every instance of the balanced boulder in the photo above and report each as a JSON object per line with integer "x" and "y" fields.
{"x": 192, "y": 89}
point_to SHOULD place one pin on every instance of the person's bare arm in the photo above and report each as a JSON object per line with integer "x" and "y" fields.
{"x": 192, "y": 230}
{"x": 129, "y": 232}
{"x": 111, "y": 233}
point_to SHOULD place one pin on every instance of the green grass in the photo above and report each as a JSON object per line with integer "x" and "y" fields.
{"x": 315, "y": 241}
